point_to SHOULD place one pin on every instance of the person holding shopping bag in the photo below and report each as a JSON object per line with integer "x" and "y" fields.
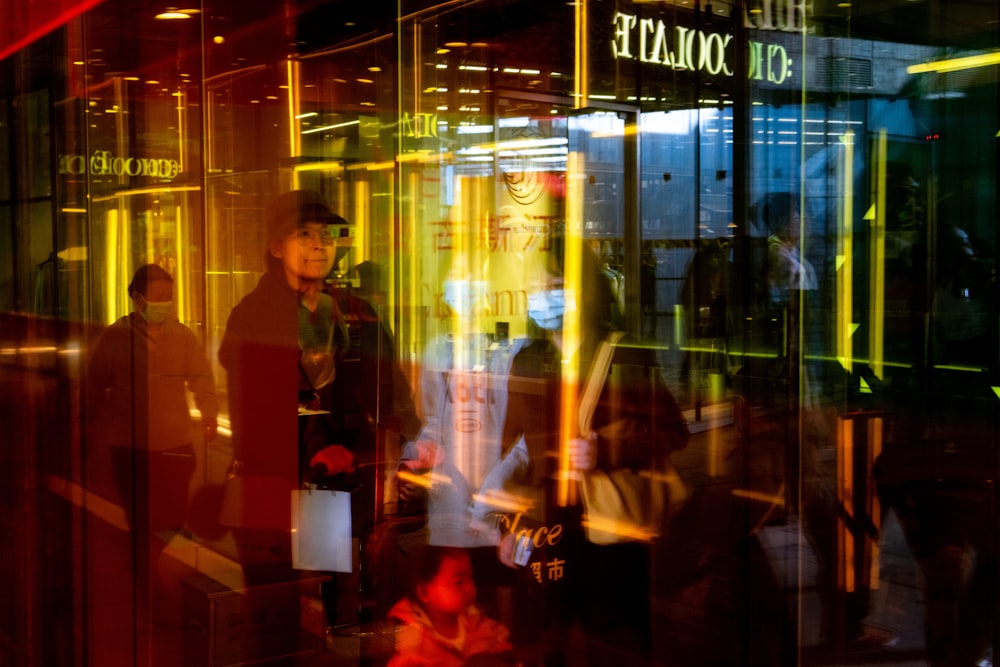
{"x": 286, "y": 350}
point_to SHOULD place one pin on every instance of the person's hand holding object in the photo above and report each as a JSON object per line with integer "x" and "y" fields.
{"x": 583, "y": 453}
{"x": 335, "y": 458}
{"x": 410, "y": 471}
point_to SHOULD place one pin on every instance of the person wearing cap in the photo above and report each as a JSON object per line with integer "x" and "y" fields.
{"x": 138, "y": 376}
{"x": 297, "y": 407}
{"x": 279, "y": 350}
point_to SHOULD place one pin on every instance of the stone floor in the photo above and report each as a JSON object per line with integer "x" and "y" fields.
{"x": 728, "y": 596}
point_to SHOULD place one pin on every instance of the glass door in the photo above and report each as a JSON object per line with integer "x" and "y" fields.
{"x": 561, "y": 169}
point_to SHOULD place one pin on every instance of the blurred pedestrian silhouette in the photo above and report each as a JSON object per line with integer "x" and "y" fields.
{"x": 574, "y": 577}
{"x": 464, "y": 397}
{"x": 306, "y": 397}
{"x": 139, "y": 375}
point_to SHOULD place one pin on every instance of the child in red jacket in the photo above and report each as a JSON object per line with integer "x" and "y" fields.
{"x": 441, "y": 624}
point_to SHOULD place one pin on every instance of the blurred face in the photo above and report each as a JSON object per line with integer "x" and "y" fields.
{"x": 155, "y": 304}
{"x": 548, "y": 301}
{"x": 452, "y": 589}
{"x": 541, "y": 280}
{"x": 307, "y": 253}
{"x": 794, "y": 225}
{"x": 964, "y": 243}
{"x": 464, "y": 297}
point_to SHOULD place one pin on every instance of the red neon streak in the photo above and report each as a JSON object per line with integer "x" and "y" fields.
{"x": 39, "y": 27}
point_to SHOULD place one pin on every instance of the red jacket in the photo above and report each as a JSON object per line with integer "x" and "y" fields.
{"x": 419, "y": 645}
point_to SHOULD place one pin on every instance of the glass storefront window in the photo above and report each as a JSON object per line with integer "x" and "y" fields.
{"x": 789, "y": 207}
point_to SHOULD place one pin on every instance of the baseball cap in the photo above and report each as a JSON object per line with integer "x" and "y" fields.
{"x": 294, "y": 208}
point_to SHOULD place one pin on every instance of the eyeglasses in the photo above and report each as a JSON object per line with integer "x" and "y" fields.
{"x": 306, "y": 236}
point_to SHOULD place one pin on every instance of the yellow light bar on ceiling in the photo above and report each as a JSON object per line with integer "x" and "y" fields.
{"x": 172, "y": 14}
{"x": 956, "y": 64}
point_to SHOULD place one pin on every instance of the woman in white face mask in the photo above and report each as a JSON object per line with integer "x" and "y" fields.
{"x": 600, "y": 582}
{"x": 547, "y": 305}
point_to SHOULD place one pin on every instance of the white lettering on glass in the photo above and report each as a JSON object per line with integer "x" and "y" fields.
{"x": 102, "y": 163}
{"x": 695, "y": 50}
{"x": 783, "y": 15}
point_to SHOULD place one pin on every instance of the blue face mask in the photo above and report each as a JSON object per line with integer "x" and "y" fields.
{"x": 462, "y": 296}
{"x": 546, "y": 308}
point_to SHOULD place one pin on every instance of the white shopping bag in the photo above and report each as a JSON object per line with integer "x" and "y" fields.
{"x": 321, "y": 530}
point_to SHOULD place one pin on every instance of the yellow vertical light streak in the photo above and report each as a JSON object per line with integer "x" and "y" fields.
{"x": 411, "y": 335}
{"x": 390, "y": 263}
{"x": 678, "y": 324}
{"x": 121, "y": 127}
{"x": 569, "y": 427}
{"x": 411, "y": 329}
{"x": 715, "y": 450}
{"x": 208, "y": 156}
{"x": 111, "y": 296}
{"x": 417, "y": 57}
{"x": 845, "y": 256}
{"x": 845, "y": 494}
{"x": 123, "y": 263}
{"x": 294, "y": 137}
{"x": 180, "y": 279}
{"x": 463, "y": 215}
{"x": 153, "y": 225}
{"x": 181, "y": 129}
{"x": 876, "y": 315}
{"x": 461, "y": 268}
{"x": 340, "y": 185}
{"x": 581, "y": 87}
{"x": 361, "y": 219}
{"x": 478, "y": 195}
{"x": 461, "y": 263}
{"x": 180, "y": 244}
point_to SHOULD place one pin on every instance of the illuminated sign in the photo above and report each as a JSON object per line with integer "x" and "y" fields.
{"x": 103, "y": 163}
{"x": 539, "y": 535}
{"x": 784, "y": 15}
{"x": 768, "y": 61}
{"x": 552, "y": 569}
{"x": 651, "y": 41}
{"x": 419, "y": 125}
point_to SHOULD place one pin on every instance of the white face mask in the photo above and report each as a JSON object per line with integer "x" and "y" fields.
{"x": 547, "y": 307}
{"x": 156, "y": 312}
{"x": 462, "y": 296}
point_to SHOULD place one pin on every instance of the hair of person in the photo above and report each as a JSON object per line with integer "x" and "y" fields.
{"x": 428, "y": 563}
{"x": 774, "y": 211}
{"x": 146, "y": 274}
{"x": 955, "y": 250}
{"x": 900, "y": 174}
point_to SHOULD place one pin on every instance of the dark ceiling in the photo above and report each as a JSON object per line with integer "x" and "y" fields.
{"x": 963, "y": 24}
{"x": 123, "y": 37}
